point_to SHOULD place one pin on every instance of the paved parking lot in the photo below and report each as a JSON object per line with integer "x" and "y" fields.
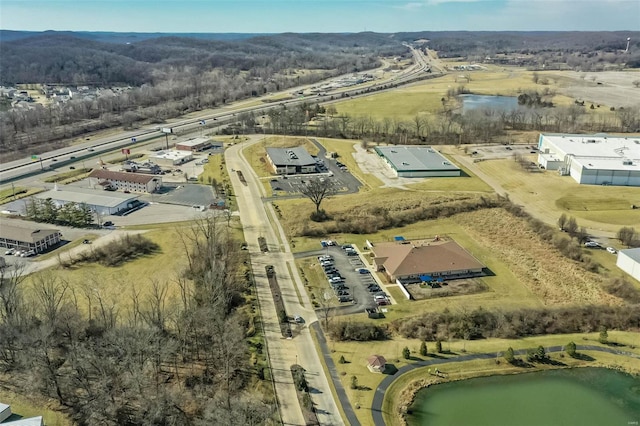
{"x": 488, "y": 152}
{"x": 188, "y": 194}
{"x": 360, "y": 287}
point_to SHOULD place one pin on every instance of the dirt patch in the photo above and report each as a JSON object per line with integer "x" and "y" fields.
{"x": 421, "y": 291}
{"x": 611, "y": 88}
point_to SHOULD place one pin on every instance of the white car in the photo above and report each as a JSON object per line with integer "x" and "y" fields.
{"x": 10, "y": 251}
{"x": 591, "y": 244}
{"x": 612, "y": 250}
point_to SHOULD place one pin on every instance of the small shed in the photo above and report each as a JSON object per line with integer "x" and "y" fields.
{"x": 376, "y": 363}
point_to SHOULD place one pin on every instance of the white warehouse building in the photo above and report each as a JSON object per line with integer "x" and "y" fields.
{"x": 592, "y": 159}
{"x": 629, "y": 262}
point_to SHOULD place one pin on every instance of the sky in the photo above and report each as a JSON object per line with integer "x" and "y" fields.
{"x": 276, "y": 16}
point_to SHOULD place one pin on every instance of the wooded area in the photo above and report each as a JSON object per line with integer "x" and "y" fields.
{"x": 162, "y": 362}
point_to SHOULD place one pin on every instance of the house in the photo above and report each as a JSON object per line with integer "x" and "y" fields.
{"x": 376, "y": 363}
{"x": 27, "y": 236}
{"x": 289, "y": 161}
{"x": 133, "y": 182}
{"x": 5, "y": 412}
{"x": 629, "y": 262}
{"x": 414, "y": 260}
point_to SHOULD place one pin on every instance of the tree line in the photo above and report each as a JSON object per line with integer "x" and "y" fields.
{"x": 171, "y": 77}
{"x": 165, "y": 360}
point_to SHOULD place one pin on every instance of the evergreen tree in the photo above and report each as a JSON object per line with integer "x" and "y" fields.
{"x": 438, "y": 346}
{"x": 49, "y": 211}
{"x": 570, "y": 349}
{"x": 509, "y": 356}
{"x": 423, "y": 349}
{"x": 406, "y": 353}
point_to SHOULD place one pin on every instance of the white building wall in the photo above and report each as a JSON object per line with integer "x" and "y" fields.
{"x": 452, "y": 173}
{"x": 628, "y": 265}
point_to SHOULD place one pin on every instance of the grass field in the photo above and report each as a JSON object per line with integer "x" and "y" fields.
{"x": 115, "y": 285}
{"x": 548, "y": 194}
{"x": 345, "y": 150}
{"x": 356, "y": 353}
{"x": 11, "y": 194}
{"x": 425, "y": 97}
{"x": 66, "y": 176}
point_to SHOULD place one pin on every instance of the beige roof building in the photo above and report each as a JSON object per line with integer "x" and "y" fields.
{"x": 434, "y": 258}
{"x": 28, "y": 236}
{"x": 376, "y": 363}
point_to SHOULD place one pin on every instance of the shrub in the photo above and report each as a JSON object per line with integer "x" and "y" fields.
{"x": 357, "y": 331}
{"x": 570, "y": 349}
{"x": 342, "y": 360}
{"x": 509, "y": 356}
{"x": 354, "y": 382}
{"x": 406, "y": 353}
{"x": 128, "y": 247}
{"x": 438, "y": 346}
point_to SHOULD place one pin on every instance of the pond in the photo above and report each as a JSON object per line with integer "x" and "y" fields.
{"x": 579, "y": 396}
{"x": 501, "y": 103}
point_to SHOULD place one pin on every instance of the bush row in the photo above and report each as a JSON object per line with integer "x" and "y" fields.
{"x": 117, "y": 252}
{"x": 481, "y": 323}
{"x": 357, "y": 331}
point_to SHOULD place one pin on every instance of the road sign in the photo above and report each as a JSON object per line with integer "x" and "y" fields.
{"x": 126, "y": 151}
{"x": 167, "y": 130}
{"x": 134, "y": 140}
{"x": 34, "y": 157}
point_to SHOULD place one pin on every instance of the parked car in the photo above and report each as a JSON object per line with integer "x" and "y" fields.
{"x": 298, "y": 319}
{"x": 10, "y": 251}
{"x": 86, "y": 242}
{"x": 612, "y": 250}
{"x": 343, "y": 299}
{"x": 325, "y": 257}
{"x": 107, "y": 223}
{"x": 17, "y": 253}
{"x": 362, "y": 270}
{"x": 336, "y": 280}
{"x": 591, "y": 244}
{"x": 374, "y": 289}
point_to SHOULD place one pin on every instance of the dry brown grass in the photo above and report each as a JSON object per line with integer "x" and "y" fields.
{"x": 536, "y": 264}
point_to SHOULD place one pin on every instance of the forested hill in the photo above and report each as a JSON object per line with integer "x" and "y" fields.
{"x": 64, "y": 57}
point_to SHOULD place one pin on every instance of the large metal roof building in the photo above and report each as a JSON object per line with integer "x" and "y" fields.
{"x": 592, "y": 159}
{"x": 100, "y": 201}
{"x": 417, "y": 161}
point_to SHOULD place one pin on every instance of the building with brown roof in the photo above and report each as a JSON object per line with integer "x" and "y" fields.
{"x": 25, "y": 237}
{"x": 415, "y": 260}
{"x": 376, "y": 363}
{"x": 132, "y": 182}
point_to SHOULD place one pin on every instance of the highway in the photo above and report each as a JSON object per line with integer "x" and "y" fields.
{"x": 13, "y": 170}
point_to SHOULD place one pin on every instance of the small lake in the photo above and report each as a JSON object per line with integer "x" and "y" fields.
{"x": 579, "y": 396}
{"x": 500, "y": 103}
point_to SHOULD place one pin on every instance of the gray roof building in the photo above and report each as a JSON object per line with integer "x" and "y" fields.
{"x": 291, "y": 160}
{"x": 417, "y": 161}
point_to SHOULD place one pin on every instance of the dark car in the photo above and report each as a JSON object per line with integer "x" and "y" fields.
{"x": 374, "y": 289}
{"x": 108, "y": 223}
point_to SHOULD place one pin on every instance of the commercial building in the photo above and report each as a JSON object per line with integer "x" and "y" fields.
{"x": 288, "y": 161}
{"x": 31, "y": 421}
{"x": 424, "y": 260}
{"x": 629, "y": 262}
{"x": 25, "y": 236}
{"x": 171, "y": 157}
{"x": 592, "y": 159}
{"x": 417, "y": 162}
{"x": 5, "y": 412}
{"x": 194, "y": 145}
{"x": 99, "y": 201}
{"x": 124, "y": 181}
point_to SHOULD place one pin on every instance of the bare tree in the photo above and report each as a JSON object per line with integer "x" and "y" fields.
{"x": 626, "y": 235}
{"x": 562, "y": 221}
{"x": 317, "y": 189}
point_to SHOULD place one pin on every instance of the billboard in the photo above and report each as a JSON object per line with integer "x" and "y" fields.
{"x": 167, "y": 130}
{"x": 126, "y": 151}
